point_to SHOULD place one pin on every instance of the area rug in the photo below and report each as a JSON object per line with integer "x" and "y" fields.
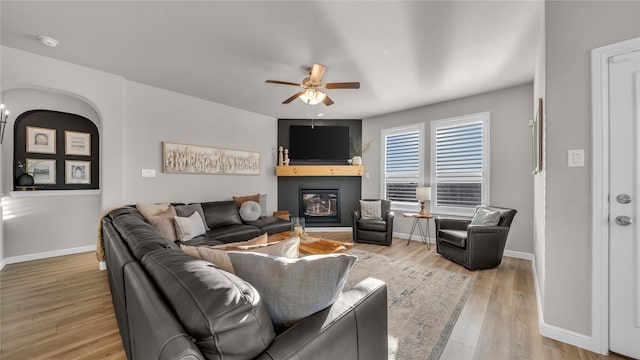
{"x": 424, "y": 302}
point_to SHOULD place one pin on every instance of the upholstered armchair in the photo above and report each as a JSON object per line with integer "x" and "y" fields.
{"x": 474, "y": 246}
{"x": 374, "y": 231}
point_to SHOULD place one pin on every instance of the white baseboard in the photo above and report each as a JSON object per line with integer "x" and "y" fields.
{"x": 555, "y": 332}
{"x": 415, "y": 237}
{"x": 2, "y": 263}
{"x": 518, "y": 255}
{"x": 47, "y": 254}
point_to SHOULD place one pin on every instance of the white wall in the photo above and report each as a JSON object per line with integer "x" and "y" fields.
{"x": 572, "y": 30}
{"x": 510, "y": 159}
{"x": 132, "y": 121}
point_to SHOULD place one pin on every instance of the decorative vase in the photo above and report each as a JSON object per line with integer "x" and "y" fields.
{"x": 25, "y": 180}
{"x": 357, "y": 160}
{"x": 298, "y": 226}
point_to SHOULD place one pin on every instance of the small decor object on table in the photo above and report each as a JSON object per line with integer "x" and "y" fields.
{"x": 298, "y": 226}
{"x": 77, "y": 172}
{"x": 41, "y": 140}
{"x": 25, "y": 178}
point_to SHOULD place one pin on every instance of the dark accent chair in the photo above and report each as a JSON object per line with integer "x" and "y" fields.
{"x": 474, "y": 246}
{"x": 370, "y": 231}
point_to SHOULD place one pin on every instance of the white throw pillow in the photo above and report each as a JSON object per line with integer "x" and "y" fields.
{"x": 189, "y": 227}
{"x": 294, "y": 288}
{"x": 250, "y": 211}
{"x": 484, "y": 216}
{"x": 371, "y": 210}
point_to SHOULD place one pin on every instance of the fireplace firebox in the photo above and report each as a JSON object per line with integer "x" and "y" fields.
{"x": 320, "y": 205}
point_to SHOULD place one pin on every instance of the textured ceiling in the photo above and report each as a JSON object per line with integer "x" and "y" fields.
{"x": 405, "y": 54}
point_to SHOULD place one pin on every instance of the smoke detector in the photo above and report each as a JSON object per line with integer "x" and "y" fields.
{"x": 45, "y": 40}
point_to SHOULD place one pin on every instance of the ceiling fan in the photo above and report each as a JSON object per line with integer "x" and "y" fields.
{"x": 313, "y": 86}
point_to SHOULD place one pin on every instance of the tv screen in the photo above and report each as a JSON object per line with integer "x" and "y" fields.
{"x": 328, "y": 143}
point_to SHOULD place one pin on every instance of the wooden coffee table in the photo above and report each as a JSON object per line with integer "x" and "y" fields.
{"x": 315, "y": 245}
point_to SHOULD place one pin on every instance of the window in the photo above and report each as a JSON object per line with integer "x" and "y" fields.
{"x": 460, "y": 164}
{"x": 402, "y": 168}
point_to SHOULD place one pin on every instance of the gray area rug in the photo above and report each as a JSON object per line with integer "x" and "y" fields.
{"x": 424, "y": 302}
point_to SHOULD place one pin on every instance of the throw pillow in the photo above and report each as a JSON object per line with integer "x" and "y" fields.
{"x": 189, "y": 227}
{"x": 250, "y": 211}
{"x": 371, "y": 210}
{"x": 147, "y": 209}
{"x": 262, "y": 239}
{"x": 294, "y": 288}
{"x": 484, "y": 216}
{"x": 241, "y": 199}
{"x": 218, "y": 256}
{"x": 163, "y": 223}
{"x": 188, "y": 210}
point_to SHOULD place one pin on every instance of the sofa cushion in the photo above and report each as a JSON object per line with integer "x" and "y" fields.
{"x": 233, "y": 233}
{"x": 271, "y": 224}
{"x": 188, "y": 227}
{"x": 221, "y": 213}
{"x": 188, "y": 210}
{"x": 372, "y": 225}
{"x": 454, "y": 237}
{"x": 224, "y": 314}
{"x": 294, "y": 288}
{"x": 139, "y": 235}
{"x": 249, "y": 211}
{"x": 241, "y": 199}
{"x": 164, "y": 223}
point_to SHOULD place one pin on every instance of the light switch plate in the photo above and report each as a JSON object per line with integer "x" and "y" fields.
{"x": 575, "y": 158}
{"x": 148, "y": 173}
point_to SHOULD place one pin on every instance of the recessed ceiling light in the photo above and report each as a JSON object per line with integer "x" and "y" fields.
{"x": 48, "y": 41}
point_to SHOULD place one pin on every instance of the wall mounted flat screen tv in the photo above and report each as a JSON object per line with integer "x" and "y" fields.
{"x": 320, "y": 143}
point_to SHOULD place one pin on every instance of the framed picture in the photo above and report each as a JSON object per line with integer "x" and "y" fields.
{"x": 194, "y": 159}
{"x": 77, "y": 143}
{"x": 77, "y": 172}
{"x": 536, "y": 138}
{"x": 41, "y": 140}
{"x": 43, "y": 170}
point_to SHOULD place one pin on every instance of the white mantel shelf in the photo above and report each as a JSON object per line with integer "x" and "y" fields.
{"x": 320, "y": 170}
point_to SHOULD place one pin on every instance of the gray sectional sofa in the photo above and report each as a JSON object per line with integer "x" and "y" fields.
{"x": 170, "y": 305}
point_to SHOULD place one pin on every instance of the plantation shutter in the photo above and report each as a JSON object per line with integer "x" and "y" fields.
{"x": 402, "y": 166}
{"x": 459, "y": 165}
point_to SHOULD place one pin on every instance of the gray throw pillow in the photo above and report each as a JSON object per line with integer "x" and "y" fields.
{"x": 484, "y": 216}
{"x": 294, "y": 288}
{"x": 263, "y": 204}
{"x": 188, "y": 210}
{"x": 249, "y": 211}
{"x": 371, "y": 210}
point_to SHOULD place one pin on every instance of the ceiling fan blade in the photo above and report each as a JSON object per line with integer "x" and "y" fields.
{"x": 343, "y": 85}
{"x": 316, "y": 73}
{"x": 293, "y": 97}
{"x": 327, "y": 101}
{"x": 281, "y": 82}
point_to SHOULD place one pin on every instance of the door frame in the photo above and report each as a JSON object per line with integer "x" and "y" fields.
{"x": 600, "y": 189}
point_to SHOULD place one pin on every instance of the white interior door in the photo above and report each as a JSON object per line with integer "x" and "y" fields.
{"x": 624, "y": 224}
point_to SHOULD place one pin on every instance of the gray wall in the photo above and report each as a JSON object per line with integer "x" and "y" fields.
{"x": 510, "y": 147}
{"x": 572, "y": 30}
{"x": 133, "y": 119}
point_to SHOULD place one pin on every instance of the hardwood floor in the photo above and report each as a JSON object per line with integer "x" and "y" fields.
{"x": 60, "y": 308}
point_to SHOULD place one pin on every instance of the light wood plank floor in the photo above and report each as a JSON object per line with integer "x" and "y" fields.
{"x": 60, "y": 308}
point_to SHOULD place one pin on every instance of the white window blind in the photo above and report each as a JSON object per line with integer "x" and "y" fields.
{"x": 403, "y": 159}
{"x": 459, "y": 163}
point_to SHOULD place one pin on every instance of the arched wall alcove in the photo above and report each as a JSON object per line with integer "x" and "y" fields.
{"x": 48, "y": 221}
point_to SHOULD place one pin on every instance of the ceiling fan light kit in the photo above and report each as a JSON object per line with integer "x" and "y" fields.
{"x": 312, "y": 85}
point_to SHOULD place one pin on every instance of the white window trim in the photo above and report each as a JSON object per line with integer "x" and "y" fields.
{"x": 485, "y": 117}
{"x": 396, "y": 205}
